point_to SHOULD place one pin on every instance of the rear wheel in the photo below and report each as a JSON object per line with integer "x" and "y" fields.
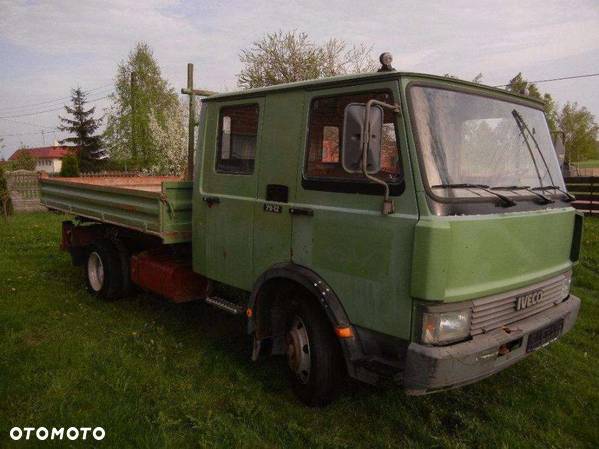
{"x": 125, "y": 261}
{"x": 313, "y": 355}
{"x": 103, "y": 271}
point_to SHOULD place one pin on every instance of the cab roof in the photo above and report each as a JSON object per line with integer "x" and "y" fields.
{"x": 360, "y": 78}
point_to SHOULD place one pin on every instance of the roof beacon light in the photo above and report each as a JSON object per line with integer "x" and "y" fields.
{"x": 386, "y": 59}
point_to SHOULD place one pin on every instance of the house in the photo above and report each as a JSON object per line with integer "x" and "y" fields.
{"x": 49, "y": 159}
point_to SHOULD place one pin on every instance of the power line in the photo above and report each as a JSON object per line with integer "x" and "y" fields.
{"x": 28, "y": 134}
{"x": 26, "y": 106}
{"x": 48, "y": 110}
{"x": 29, "y": 123}
{"x": 55, "y": 104}
{"x": 30, "y": 105}
{"x": 589, "y": 75}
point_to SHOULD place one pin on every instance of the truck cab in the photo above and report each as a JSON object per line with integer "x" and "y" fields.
{"x": 383, "y": 226}
{"x": 469, "y": 272}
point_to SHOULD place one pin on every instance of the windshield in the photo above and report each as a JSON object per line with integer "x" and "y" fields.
{"x": 467, "y": 140}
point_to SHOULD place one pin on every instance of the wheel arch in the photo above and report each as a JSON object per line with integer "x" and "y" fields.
{"x": 262, "y": 297}
{"x": 309, "y": 280}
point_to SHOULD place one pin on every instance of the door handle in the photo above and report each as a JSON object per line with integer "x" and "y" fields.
{"x": 277, "y": 192}
{"x": 211, "y": 200}
{"x": 301, "y": 211}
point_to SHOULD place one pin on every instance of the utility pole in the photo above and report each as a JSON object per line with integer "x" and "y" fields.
{"x": 191, "y": 126}
{"x": 189, "y": 90}
{"x": 133, "y": 117}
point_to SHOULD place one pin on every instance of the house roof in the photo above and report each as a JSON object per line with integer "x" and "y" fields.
{"x": 55, "y": 152}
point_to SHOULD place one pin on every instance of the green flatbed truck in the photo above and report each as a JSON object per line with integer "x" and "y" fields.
{"x": 383, "y": 226}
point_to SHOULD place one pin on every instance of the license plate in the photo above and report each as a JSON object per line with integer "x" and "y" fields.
{"x": 544, "y": 336}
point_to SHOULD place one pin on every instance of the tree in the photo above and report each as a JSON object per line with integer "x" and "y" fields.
{"x": 70, "y": 166}
{"x": 577, "y": 123}
{"x": 142, "y": 104}
{"x": 24, "y": 161}
{"x": 520, "y": 85}
{"x": 82, "y": 125}
{"x": 580, "y": 132}
{"x": 286, "y": 57}
{"x": 171, "y": 142}
{"x": 5, "y": 203}
{"x": 477, "y": 79}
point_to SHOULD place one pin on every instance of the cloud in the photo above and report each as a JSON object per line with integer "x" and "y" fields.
{"x": 51, "y": 46}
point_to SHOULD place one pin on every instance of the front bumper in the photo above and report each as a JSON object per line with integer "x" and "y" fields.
{"x": 430, "y": 369}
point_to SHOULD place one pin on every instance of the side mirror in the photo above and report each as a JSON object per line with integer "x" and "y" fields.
{"x": 353, "y": 138}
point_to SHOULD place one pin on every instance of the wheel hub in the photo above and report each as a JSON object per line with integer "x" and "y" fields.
{"x": 298, "y": 349}
{"x": 95, "y": 271}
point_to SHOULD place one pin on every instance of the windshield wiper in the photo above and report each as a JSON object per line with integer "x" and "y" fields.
{"x": 522, "y": 126}
{"x": 543, "y": 199}
{"x": 505, "y": 201}
{"x": 568, "y": 196}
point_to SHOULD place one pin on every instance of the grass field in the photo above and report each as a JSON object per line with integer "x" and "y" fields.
{"x": 591, "y": 163}
{"x": 158, "y": 375}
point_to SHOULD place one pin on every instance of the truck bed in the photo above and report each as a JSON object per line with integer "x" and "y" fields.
{"x": 157, "y": 205}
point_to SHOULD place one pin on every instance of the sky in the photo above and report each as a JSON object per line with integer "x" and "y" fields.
{"x": 49, "y": 47}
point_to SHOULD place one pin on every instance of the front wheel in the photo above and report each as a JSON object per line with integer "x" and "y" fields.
{"x": 313, "y": 355}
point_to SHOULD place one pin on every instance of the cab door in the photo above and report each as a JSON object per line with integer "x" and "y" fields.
{"x": 363, "y": 255}
{"x": 229, "y": 192}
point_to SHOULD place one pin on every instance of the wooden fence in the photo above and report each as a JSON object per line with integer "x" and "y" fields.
{"x": 576, "y": 172}
{"x": 586, "y": 190}
{"x": 104, "y": 174}
{"x": 111, "y": 173}
{"x": 24, "y": 190}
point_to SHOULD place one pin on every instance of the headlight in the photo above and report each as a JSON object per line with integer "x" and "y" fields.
{"x": 445, "y": 327}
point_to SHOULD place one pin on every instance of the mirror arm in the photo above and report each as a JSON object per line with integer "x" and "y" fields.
{"x": 388, "y": 207}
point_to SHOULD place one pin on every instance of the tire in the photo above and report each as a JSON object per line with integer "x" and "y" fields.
{"x": 103, "y": 271}
{"x": 314, "y": 356}
{"x": 125, "y": 261}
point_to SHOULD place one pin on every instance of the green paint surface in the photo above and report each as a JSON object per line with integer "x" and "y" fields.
{"x": 276, "y": 165}
{"x": 224, "y": 232}
{"x": 364, "y": 256}
{"x": 165, "y": 213}
{"x": 377, "y": 265}
{"x": 468, "y": 257}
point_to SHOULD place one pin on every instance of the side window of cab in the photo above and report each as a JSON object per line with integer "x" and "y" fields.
{"x": 237, "y": 139}
{"x": 325, "y": 134}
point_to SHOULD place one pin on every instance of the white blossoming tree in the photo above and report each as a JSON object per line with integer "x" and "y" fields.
{"x": 170, "y": 141}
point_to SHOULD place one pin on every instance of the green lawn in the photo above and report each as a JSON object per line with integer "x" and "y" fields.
{"x": 591, "y": 163}
{"x": 156, "y": 375}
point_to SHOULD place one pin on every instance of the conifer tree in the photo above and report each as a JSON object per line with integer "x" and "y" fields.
{"x": 82, "y": 125}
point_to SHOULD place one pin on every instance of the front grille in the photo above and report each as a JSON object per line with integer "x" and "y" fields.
{"x": 496, "y": 311}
